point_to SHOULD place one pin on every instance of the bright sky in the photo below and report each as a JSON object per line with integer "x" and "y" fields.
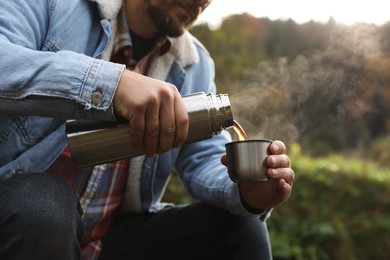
{"x": 343, "y": 11}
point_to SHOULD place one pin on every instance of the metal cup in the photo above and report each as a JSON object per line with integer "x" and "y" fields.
{"x": 246, "y": 160}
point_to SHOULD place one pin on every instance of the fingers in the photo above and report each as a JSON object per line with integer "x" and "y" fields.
{"x": 182, "y": 121}
{"x": 277, "y": 147}
{"x": 224, "y": 159}
{"x": 158, "y": 119}
{"x": 278, "y": 161}
{"x": 279, "y": 168}
{"x": 152, "y": 127}
{"x": 287, "y": 174}
{"x": 137, "y": 127}
{"x": 173, "y": 119}
{"x": 279, "y": 165}
{"x": 285, "y": 189}
{"x": 166, "y": 122}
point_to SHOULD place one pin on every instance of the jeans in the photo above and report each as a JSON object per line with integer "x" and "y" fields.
{"x": 40, "y": 218}
{"x": 196, "y": 231}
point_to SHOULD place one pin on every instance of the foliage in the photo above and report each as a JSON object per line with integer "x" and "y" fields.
{"x": 379, "y": 151}
{"x": 243, "y": 40}
{"x": 235, "y": 46}
{"x": 325, "y": 86}
{"x": 339, "y": 209}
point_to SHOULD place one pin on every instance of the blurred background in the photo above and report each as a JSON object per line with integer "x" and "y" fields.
{"x": 316, "y": 76}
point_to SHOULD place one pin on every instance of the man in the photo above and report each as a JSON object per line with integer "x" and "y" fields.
{"x": 64, "y": 60}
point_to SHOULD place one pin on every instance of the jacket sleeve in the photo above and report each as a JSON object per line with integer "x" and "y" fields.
{"x": 199, "y": 164}
{"x": 37, "y": 79}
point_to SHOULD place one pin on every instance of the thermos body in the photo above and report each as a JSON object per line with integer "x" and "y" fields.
{"x": 93, "y": 143}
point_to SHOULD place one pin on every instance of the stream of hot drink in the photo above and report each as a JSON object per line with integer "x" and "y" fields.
{"x": 239, "y": 131}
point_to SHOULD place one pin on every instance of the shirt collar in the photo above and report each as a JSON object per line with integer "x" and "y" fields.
{"x": 123, "y": 37}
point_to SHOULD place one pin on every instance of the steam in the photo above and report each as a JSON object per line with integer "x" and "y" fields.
{"x": 314, "y": 94}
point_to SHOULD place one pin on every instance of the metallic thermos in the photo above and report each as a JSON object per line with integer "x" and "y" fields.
{"x": 95, "y": 142}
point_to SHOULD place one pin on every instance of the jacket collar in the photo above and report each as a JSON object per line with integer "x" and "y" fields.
{"x": 183, "y": 48}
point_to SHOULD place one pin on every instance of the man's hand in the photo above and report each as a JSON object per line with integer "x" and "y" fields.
{"x": 275, "y": 191}
{"x": 157, "y": 116}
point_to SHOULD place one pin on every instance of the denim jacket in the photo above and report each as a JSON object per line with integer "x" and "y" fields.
{"x": 53, "y": 60}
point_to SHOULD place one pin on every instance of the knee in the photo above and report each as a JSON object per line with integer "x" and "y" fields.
{"x": 39, "y": 211}
{"x": 41, "y": 203}
{"x": 245, "y": 237}
{"x": 249, "y": 237}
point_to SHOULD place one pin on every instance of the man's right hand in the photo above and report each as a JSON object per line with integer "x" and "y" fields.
{"x": 157, "y": 116}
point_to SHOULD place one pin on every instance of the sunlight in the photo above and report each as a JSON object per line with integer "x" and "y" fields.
{"x": 346, "y": 12}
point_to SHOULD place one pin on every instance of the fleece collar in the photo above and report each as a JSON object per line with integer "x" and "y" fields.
{"x": 183, "y": 49}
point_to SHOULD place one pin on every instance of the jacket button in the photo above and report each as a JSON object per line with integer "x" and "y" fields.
{"x": 96, "y": 97}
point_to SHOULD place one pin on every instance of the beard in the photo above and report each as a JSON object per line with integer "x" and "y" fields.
{"x": 165, "y": 23}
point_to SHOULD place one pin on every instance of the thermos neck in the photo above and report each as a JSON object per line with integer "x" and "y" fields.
{"x": 221, "y": 116}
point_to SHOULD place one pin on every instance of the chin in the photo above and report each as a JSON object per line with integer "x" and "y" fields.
{"x": 174, "y": 29}
{"x": 177, "y": 28}
{"x": 176, "y": 33}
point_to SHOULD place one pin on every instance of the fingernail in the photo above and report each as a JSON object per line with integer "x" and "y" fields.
{"x": 272, "y": 171}
{"x": 276, "y": 147}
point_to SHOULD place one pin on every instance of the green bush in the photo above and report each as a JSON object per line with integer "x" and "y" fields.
{"x": 379, "y": 150}
{"x": 339, "y": 209}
